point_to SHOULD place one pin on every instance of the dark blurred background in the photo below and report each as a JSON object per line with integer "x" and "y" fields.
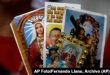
{"x": 10, "y": 59}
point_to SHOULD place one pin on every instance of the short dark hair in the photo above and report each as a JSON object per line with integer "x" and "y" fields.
{"x": 88, "y": 35}
{"x": 53, "y": 30}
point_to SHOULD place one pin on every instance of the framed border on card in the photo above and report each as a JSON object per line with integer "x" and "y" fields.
{"x": 94, "y": 26}
{"x": 24, "y": 30}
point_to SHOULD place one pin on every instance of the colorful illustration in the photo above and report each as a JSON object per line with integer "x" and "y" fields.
{"x": 53, "y": 34}
{"x": 28, "y": 30}
{"x": 51, "y": 46}
{"x": 85, "y": 30}
{"x": 67, "y": 37}
{"x": 54, "y": 14}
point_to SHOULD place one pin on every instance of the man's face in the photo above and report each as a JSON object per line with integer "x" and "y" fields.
{"x": 54, "y": 36}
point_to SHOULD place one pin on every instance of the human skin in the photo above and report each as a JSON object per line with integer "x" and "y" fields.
{"x": 54, "y": 36}
{"x": 39, "y": 29}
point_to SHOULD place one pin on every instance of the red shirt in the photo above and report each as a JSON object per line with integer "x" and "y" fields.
{"x": 10, "y": 57}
